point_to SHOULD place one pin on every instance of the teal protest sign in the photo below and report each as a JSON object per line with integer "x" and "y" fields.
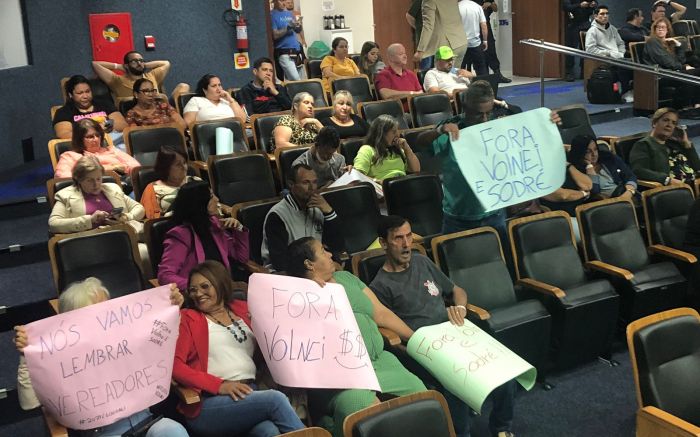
{"x": 467, "y": 361}
{"x": 512, "y": 159}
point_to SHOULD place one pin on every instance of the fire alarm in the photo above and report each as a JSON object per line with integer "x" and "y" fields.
{"x": 150, "y": 42}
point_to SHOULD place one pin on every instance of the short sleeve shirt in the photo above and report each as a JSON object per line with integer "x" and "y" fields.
{"x": 281, "y": 20}
{"x": 123, "y": 86}
{"x": 100, "y": 112}
{"x": 206, "y": 110}
{"x": 388, "y": 78}
{"x": 416, "y": 294}
{"x": 326, "y": 173}
{"x": 162, "y": 113}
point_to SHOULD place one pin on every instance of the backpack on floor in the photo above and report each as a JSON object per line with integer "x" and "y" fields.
{"x": 602, "y": 87}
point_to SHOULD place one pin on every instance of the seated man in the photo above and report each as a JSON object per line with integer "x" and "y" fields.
{"x": 414, "y": 289}
{"x": 632, "y": 30}
{"x": 134, "y": 67}
{"x": 603, "y": 39}
{"x": 658, "y": 10}
{"x": 396, "y": 80}
{"x": 444, "y": 77}
{"x": 302, "y": 213}
{"x": 324, "y": 158}
{"x": 261, "y": 95}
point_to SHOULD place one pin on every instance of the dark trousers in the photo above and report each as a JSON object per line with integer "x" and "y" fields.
{"x": 572, "y": 39}
{"x": 491, "y": 57}
{"x": 475, "y": 61}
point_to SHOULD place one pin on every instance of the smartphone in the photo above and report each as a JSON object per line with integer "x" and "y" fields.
{"x": 109, "y": 123}
{"x": 116, "y": 212}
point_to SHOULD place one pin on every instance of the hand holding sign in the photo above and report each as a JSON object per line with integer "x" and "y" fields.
{"x": 95, "y": 365}
{"x": 513, "y": 159}
{"x": 308, "y": 334}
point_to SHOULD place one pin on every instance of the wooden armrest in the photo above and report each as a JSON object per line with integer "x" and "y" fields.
{"x": 390, "y": 336}
{"x": 186, "y": 395}
{"x": 610, "y": 269}
{"x": 542, "y": 287}
{"x": 673, "y": 253}
{"x": 648, "y": 184}
{"x": 54, "y": 305}
{"x": 55, "y": 428}
{"x": 199, "y": 165}
{"x": 480, "y": 313}
{"x": 154, "y": 282}
{"x": 653, "y": 422}
{"x": 419, "y": 239}
{"x": 254, "y": 267}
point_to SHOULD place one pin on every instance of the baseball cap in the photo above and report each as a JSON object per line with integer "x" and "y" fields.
{"x": 444, "y": 53}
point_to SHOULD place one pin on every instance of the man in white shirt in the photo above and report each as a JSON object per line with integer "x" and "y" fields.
{"x": 474, "y": 24}
{"x": 444, "y": 77}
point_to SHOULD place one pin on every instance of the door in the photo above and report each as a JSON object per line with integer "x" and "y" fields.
{"x": 538, "y": 19}
{"x": 390, "y": 25}
{"x": 111, "y": 36}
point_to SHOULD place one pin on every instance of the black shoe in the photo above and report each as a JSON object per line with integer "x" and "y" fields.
{"x": 570, "y": 77}
{"x": 503, "y": 79}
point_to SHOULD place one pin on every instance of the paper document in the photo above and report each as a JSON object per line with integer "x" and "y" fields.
{"x": 353, "y": 176}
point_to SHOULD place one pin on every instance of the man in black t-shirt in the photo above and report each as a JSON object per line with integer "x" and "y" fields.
{"x": 415, "y": 289}
{"x": 261, "y": 95}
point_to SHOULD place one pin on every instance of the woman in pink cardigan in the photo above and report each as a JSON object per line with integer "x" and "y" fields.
{"x": 200, "y": 235}
{"x": 89, "y": 140}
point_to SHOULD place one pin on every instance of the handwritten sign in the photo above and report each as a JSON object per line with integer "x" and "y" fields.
{"x": 513, "y": 159}
{"x": 308, "y": 334}
{"x": 98, "y": 364}
{"x": 467, "y": 361}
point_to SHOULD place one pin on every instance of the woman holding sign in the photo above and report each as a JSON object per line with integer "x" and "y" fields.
{"x": 308, "y": 259}
{"x": 79, "y": 295}
{"x": 214, "y": 356}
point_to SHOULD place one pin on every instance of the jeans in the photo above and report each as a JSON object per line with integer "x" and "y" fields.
{"x": 263, "y": 413}
{"x": 289, "y": 67}
{"x": 163, "y": 428}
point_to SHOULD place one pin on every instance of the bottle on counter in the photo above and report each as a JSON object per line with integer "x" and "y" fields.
{"x": 342, "y": 22}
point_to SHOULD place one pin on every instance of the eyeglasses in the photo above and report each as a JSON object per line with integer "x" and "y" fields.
{"x": 92, "y": 137}
{"x": 148, "y": 91}
{"x": 137, "y": 61}
{"x": 204, "y": 287}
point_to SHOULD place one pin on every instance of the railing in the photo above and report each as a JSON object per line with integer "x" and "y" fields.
{"x": 624, "y": 63}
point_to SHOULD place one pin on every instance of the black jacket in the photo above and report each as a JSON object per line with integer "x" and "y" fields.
{"x": 260, "y": 101}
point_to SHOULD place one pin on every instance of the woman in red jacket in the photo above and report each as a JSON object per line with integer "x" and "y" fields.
{"x": 214, "y": 356}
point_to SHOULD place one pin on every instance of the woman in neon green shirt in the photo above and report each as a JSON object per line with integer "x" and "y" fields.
{"x": 385, "y": 153}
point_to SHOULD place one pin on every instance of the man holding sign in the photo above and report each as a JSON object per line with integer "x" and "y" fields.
{"x": 414, "y": 289}
{"x": 462, "y": 206}
{"x": 73, "y": 379}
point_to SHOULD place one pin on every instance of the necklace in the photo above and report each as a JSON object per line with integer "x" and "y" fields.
{"x": 232, "y": 329}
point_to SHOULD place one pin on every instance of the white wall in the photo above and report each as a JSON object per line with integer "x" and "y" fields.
{"x": 359, "y": 16}
{"x": 13, "y": 51}
{"x": 504, "y": 37}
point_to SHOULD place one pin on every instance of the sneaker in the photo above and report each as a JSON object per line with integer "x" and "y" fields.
{"x": 628, "y": 97}
{"x": 570, "y": 77}
{"x": 505, "y": 434}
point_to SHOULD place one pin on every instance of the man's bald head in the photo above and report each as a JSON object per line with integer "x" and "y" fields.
{"x": 396, "y": 55}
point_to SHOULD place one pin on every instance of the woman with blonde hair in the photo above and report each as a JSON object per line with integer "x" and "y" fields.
{"x": 343, "y": 120}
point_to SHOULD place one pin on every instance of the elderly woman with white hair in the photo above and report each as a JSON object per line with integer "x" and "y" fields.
{"x": 298, "y": 128}
{"x": 79, "y": 295}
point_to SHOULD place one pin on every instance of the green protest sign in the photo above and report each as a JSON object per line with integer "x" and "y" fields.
{"x": 512, "y": 159}
{"x": 467, "y": 361}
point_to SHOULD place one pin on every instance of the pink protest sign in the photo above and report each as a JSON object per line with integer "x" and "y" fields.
{"x": 95, "y": 365}
{"x": 308, "y": 334}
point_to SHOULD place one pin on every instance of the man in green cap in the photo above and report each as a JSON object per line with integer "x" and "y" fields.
{"x": 445, "y": 77}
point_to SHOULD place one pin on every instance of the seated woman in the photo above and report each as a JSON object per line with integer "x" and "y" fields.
{"x": 370, "y": 60}
{"x": 214, "y": 356}
{"x": 80, "y": 105}
{"x": 308, "y": 259}
{"x": 89, "y": 140}
{"x": 89, "y": 203}
{"x": 662, "y": 49}
{"x": 343, "y": 120}
{"x": 211, "y": 102}
{"x": 385, "y": 153}
{"x": 338, "y": 64}
{"x": 171, "y": 169}
{"x": 79, "y": 295}
{"x": 323, "y": 157}
{"x": 151, "y": 108}
{"x": 665, "y": 155}
{"x": 200, "y": 235}
{"x": 300, "y": 127}
{"x": 610, "y": 175}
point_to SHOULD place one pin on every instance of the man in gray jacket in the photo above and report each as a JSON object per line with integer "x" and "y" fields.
{"x": 603, "y": 39}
